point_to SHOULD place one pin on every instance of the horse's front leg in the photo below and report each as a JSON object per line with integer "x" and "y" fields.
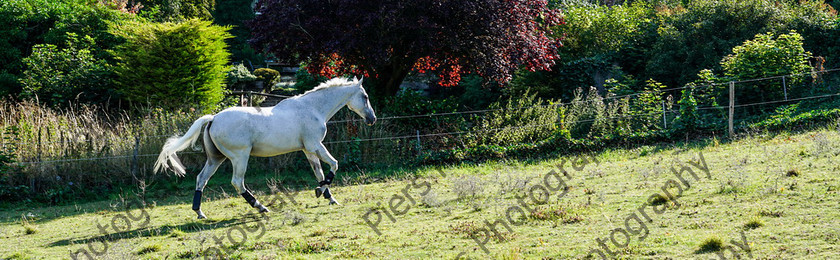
{"x": 315, "y": 155}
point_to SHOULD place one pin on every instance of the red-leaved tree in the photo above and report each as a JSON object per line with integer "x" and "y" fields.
{"x": 386, "y": 39}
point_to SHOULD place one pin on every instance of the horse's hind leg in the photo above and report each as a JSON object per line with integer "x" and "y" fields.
{"x": 209, "y": 169}
{"x": 214, "y": 160}
{"x": 240, "y": 164}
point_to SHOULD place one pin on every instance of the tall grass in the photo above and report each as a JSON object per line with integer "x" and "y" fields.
{"x": 82, "y": 149}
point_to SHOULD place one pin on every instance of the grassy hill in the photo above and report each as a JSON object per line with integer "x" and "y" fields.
{"x": 776, "y": 195}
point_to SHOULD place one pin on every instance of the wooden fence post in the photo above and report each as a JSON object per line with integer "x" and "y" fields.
{"x": 135, "y": 163}
{"x": 784, "y": 86}
{"x": 664, "y": 119}
{"x": 731, "y": 107}
{"x": 418, "y": 141}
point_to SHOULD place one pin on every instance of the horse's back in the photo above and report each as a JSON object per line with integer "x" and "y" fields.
{"x": 264, "y": 131}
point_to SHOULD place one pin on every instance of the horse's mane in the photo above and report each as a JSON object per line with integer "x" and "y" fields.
{"x": 334, "y": 82}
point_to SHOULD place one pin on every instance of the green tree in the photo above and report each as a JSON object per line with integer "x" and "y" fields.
{"x": 235, "y": 13}
{"x": 172, "y": 65}
{"x": 696, "y": 36}
{"x": 177, "y": 10}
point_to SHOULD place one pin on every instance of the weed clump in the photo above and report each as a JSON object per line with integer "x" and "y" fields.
{"x": 711, "y": 244}
{"x": 467, "y": 187}
{"x": 658, "y": 199}
{"x": 313, "y": 247}
{"x": 28, "y": 228}
{"x": 474, "y": 230}
{"x": 793, "y": 173}
{"x": 754, "y": 223}
{"x": 430, "y": 199}
{"x": 149, "y": 249}
{"x": 770, "y": 213}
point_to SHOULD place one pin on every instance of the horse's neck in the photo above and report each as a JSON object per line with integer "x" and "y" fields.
{"x": 327, "y": 101}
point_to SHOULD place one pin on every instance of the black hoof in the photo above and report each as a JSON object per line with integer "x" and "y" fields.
{"x": 318, "y": 192}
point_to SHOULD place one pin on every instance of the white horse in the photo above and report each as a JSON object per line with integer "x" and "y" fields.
{"x": 298, "y": 123}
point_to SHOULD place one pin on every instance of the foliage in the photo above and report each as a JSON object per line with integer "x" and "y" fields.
{"x": 523, "y": 119}
{"x": 57, "y": 76}
{"x": 172, "y": 65}
{"x": 677, "y": 53}
{"x": 235, "y": 13}
{"x": 239, "y": 74}
{"x": 410, "y": 103}
{"x": 688, "y": 119}
{"x": 26, "y": 23}
{"x": 767, "y": 56}
{"x": 177, "y": 10}
{"x": 305, "y": 81}
{"x": 648, "y": 106}
{"x": 796, "y": 116}
{"x": 267, "y": 75}
{"x": 8, "y": 157}
{"x": 601, "y": 29}
{"x": 478, "y": 93}
{"x": 386, "y": 39}
{"x": 563, "y": 79}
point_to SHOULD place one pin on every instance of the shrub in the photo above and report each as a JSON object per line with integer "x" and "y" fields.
{"x": 172, "y": 64}
{"x": 676, "y": 54}
{"x": 239, "y": 75}
{"x": 518, "y": 120}
{"x": 56, "y": 76}
{"x": 648, "y": 106}
{"x": 688, "y": 120}
{"x": 267, "y": 75}
{"x": 766, "y": 56}
{"x": 26, "y": 23}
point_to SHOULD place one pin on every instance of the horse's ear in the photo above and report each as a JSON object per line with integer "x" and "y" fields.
{"x": 362, "y": 79}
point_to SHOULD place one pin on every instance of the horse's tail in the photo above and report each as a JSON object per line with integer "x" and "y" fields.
{"x": 177, "y": 143}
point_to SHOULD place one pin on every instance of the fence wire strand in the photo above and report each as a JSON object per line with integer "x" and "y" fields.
{"x": 462, "y": 113}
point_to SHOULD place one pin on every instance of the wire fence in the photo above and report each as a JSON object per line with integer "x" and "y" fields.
{"x": 417, "y": 136}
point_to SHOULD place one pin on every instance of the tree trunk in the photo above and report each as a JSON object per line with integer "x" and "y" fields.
{"x": 390, "y": 78}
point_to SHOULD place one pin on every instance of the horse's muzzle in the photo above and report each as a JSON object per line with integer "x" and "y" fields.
{"x": 369, "y": 120}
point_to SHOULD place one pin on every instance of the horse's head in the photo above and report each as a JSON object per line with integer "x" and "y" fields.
{"x": 360, "y": 103}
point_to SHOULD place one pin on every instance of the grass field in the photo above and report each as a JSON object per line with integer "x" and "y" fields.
{"x": 778, "y": 192}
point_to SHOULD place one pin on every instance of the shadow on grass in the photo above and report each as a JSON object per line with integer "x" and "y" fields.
{"x": 191, "y": 227}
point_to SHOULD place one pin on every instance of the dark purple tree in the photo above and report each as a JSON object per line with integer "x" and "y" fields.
{"x": 386, "y": 39}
